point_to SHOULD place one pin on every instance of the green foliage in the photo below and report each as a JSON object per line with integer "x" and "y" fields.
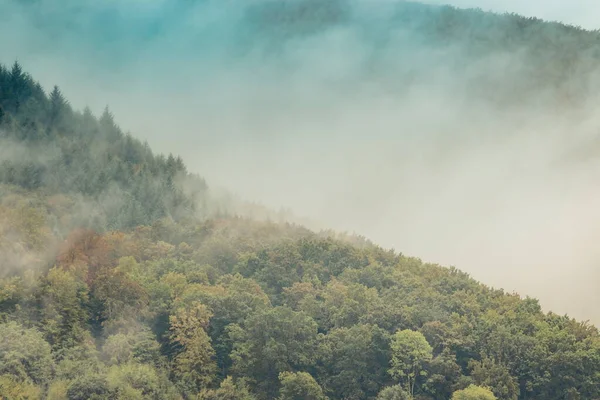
{"x": 139, "y": 381}
{"x": 183, "y": 327}
{"x": 396, "y": 392}
{"x": 230, "y": 300}
{"x": 64, "y": 314}
{"x": 77, "y": 360}
{"x": 353, "y": 361}
{"x": 194, "y": 366}
{"x": 90, "y": 387}
{"x": 91, "y": 156}
{"x": 117, "y": 297}
{"x": 140, "y": 347}
{"x": 25, "y": 354}
{"x": 349, "y": 304}
{"x": 474, "y": 393}
{"x": 10, "y": 388}
{"x": 299, "y": 386}
{"x": 174, "y": 306}
{"x": 410, "y": 353}
{"x": 270, "y": 342}
{"x": 58, "y": 390}
{"x": 496, "y": 377}
{"x": 228, "y": 390}
{"x": 444, "y": 374}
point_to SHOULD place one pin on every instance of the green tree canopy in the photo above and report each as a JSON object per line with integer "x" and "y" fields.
{"x": 410, "y": 353}
{"x": 299, "y": 386}
{"x": 396, "y": 392}
{"x": 25, "y": 354}
{"x": 271, "y": 342}
{"x": 473, "y": 392}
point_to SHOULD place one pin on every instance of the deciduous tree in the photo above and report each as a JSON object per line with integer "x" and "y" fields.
{"x": 410, "y": 353}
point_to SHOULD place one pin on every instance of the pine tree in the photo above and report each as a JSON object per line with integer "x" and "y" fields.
{"x": 108, "y": 126}
{"x": 16, "y": 73}
{"x": 17, "y": 84}
{"x": 58, "y": 107}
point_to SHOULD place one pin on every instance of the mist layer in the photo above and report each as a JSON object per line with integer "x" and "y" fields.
{"x": 361, "y": 117}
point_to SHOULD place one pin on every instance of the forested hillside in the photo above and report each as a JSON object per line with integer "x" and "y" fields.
{"x": 122, "y": 276}
{"x": 48, "y": 146}
{"x": 149, "y": 301}
{"x": 536, "y": 60}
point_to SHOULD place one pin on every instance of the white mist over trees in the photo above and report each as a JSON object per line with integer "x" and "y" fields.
{"x": 459, "y": 136}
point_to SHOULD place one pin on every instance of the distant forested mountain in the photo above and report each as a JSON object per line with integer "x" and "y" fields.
{"x": 535, "y": 59}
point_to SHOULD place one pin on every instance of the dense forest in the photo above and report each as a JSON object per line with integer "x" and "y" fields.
{"x": 123, "y": 277}
{"x": 546, "y": 58}
{"x": 159, "y": 303}
{"x": 51, "y": 147}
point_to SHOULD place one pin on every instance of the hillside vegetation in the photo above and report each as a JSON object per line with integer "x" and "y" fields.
{"x": 530, "y": 60}
{"x": 123, "y": 277}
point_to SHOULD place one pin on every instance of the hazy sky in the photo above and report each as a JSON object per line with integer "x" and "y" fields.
{"x": 434, "y": 173}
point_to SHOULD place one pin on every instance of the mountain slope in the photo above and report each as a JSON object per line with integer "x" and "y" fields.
{"x": 48, "y": 146}
{"x": 542, "y": 61}
{"x": 120, "y": 276}
{"x": 160, "y": 304}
